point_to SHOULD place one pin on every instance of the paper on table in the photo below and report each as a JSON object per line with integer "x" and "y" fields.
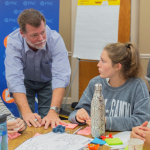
{"x": 70, "y": 126}
{"x": 37, "y": 134}
{"x": 126, "y": 148}
{"x": 13, "y": 135}
{"x": 55, "y": 141}
{"x": 124, "y": 137}
{"x": 85, "y": 131}
{"x": 98, "y": 141}
{"x": 113, "y": 141}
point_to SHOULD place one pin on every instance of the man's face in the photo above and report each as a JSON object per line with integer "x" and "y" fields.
{"x": 35, "y": 37}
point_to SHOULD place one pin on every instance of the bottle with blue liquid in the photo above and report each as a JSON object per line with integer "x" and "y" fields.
{"x": 3, "y": 132}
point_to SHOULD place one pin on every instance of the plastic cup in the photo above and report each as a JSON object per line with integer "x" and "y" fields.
{"x": 13, "y": 119}
{"x": 135, "y": 144}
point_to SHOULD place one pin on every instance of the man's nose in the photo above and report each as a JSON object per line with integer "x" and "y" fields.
{"x": 40, "y": 37}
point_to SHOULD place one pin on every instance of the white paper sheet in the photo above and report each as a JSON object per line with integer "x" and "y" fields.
{"x": 124, "y": 137}
{"x": 96, "y": 26}
{"x": 55, "y": 141}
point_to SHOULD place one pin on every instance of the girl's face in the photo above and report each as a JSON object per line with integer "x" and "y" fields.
{"x": 105, "y": 67}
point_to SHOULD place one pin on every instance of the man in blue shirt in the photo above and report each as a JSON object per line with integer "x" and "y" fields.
{"x": 37, "y": 62}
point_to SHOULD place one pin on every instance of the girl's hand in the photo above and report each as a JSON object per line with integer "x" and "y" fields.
{"x": 82, "y": 115}
{"x": 88, "y": 121}
{"x": 21, "y": 123}
{"x": 138, "y": 132}
{"x": 15, "y": 125}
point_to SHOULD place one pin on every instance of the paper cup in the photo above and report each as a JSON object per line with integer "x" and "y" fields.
{"x": 13, "y": 119}
{"x": 135, "y": 144}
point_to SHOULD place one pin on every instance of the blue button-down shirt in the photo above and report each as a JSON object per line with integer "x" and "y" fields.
{"x": 48, "y": 64}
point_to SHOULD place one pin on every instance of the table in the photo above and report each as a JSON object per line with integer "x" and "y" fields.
{"x": 31, "y": 131}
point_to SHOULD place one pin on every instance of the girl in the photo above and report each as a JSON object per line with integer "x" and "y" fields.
{"x": 11, "y": 125}
{"x": 126, "y": 95}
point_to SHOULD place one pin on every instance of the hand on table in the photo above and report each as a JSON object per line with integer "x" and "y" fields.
{"x": 146, "y": 132}
{"x": 52, "y": 119}
{"x": 82, "y": 116}
{"x": 140, "y": 131}
{"x": 32, "y": 119}
{"x": 16, "y": 123}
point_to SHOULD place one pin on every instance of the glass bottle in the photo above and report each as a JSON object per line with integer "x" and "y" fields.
{"x": 3, "y": 132}
{"x": 98, "y": 112}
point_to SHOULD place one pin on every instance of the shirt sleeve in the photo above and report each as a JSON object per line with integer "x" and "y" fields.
{"x": 85, "y": 102}
{"x": 14, "y": 67}
{"x": 5, "y": 110}
{"x": 140, "y": 112}
{"x": 60, "y": 63}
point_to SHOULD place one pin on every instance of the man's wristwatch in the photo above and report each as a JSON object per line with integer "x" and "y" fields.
{"x": 55, "y": 108}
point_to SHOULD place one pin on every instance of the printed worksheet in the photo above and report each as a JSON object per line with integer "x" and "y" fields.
{"x": 55, "y": 141}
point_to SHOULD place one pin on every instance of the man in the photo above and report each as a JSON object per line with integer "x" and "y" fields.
{"x": 37, "y": 62}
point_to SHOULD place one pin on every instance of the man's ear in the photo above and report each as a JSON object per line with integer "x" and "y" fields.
{"x": 23, "y": 35}
{"x": 118, "y": 66}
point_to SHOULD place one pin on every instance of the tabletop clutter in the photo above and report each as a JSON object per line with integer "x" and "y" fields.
{"x": 97, "y": 129}
{"x": 93, "y": 145}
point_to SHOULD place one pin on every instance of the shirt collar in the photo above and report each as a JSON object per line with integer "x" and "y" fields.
{"x": 27, "y": 48}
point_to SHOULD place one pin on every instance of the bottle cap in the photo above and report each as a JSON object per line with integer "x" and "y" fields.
{"x": 3, "y": 117}
{"x": 98, "y": 86}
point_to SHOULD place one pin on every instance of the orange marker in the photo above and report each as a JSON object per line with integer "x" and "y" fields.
{"x": 93, "y": 146}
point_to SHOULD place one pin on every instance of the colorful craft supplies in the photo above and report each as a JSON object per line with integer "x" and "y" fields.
{"x": 59, "y": 128}
{"x": 85, "y": 131}
{"x": 13, "y": 135}
{"x": 37, "y": 134}
{"x": 93, "y": 146}
{"x": 126, "y": 148}
{"x": 104, "y": 137}
{"x": 113, "y": 141}
{"x": 98, "y": 141}
{"x": 70, "y": 126}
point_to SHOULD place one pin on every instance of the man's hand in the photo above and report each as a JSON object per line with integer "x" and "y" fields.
{"x": 52, "y": 119}
{"x": 29, "y": 117}
{"x": 32, "y": 119}
{"x": 82, "y": 115}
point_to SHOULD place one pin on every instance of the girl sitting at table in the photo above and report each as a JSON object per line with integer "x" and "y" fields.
{"x": 12, "y": 124}
{"x": 126, "y": 95}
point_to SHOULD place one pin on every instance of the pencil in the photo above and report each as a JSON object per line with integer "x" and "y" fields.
{"x": 77, "y": 130}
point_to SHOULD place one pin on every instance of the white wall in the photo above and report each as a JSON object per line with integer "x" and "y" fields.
{"x": 75, "y": 84}
{"x": 134, "y": 38}
{"x": 135, "y": 5}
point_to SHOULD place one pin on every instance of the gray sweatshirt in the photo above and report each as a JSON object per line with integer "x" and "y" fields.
{"x": 126, "y": 106}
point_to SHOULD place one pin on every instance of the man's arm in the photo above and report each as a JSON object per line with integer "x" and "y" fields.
{"x": 53, "y": 117}
{"x": 28, "y": 116}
